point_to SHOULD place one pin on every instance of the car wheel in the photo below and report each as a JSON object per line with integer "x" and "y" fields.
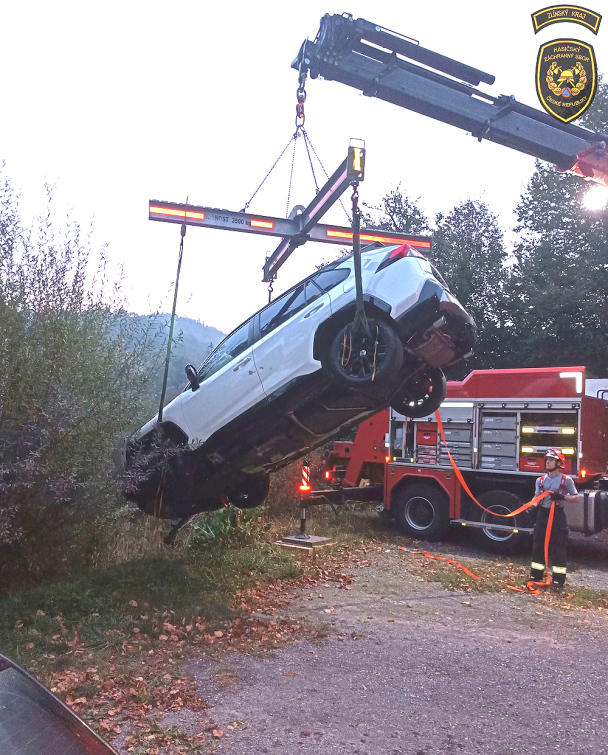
{"x": 253, "y": 492}
{"x": 499, "y": 541}
{"x": 362, "y": 359}
{"x": 421, "y": 396}
{"x": 422, "y": 512}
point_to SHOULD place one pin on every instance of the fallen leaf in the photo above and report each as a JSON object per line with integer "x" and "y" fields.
{"x": 133, "y": 603}
{"x": 290, "y": 673}
{"x": 218, "y": 733}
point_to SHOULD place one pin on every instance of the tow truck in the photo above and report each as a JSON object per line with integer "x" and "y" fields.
{"x": 496, "y": 433}
{"x": 498, "y": 425}
{"x": 395, "y": 68}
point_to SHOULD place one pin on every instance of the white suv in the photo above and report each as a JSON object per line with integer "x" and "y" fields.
{"x": 296, "y": 374}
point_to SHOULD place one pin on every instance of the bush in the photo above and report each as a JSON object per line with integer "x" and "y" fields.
{"x": 228, "y": 527}
{"x": 73, "y": 368}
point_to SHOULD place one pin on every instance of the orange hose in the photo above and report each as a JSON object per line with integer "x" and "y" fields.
{"x": 461, "y": 480}
{"x": 533, "y": 502}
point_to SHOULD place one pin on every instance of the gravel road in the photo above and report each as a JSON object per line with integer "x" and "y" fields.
{"x": 411, "y": 668}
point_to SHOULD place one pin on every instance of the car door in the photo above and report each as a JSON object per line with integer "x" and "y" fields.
{"x": 285, "y": 332}
{"x": 229, "y": 385}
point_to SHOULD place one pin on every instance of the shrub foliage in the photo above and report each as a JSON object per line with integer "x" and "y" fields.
{"x": 73, "y": 371}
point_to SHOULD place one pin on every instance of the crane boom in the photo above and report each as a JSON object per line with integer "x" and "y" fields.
{"x": 387, "y": 65}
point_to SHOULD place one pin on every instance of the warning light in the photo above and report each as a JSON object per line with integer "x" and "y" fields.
{"x": 334, "y": 234}
{"x": 356, "y": 163}
{"x": 527, "y": 430}
{"x": 261, "y": 224}
{"x": 328, "y": 475}
{"x": 583, "y": 473}
{"x": 387, "y": 458}
{"x": 515, "y": 530}
{"x": 568, "y": 451}
{"x": 464, "y": 524}
{"x": 568, "y": 430}
{"x": 304, "y": 487}
{"x": 527, "y": 450}
{"x": 177, "y": 213}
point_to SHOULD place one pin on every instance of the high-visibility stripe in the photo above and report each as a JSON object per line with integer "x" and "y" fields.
{"x": 536, "y": 565}
{"x": 559, "y": 569}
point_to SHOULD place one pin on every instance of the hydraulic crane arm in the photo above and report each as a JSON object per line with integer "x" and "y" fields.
{"x": 379, "y": 63}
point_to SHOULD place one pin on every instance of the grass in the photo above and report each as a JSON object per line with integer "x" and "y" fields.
{"x": 100, "y": 608}
{"x": 499, "y": 575}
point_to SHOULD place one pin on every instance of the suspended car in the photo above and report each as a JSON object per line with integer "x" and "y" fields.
{"x": 296, "y": 374}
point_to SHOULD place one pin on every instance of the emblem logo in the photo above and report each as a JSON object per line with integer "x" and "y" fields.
{"x": 566, "y": 78}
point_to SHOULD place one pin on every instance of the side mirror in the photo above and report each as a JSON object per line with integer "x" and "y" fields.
{"x": 192, "y": 375}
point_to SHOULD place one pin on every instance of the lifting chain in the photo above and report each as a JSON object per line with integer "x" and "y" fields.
{"x": 301, "y": 95}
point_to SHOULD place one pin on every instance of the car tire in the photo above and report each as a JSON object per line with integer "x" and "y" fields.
{"x": 422, "y": 395}
{"x": 251, "y": 493}
{"x": 371, "y": 361}
{"x": 422, "y": 511}
{"x": 499, "y": 541}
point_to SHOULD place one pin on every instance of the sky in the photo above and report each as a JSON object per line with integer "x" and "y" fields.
{"x": 116, "y": 103}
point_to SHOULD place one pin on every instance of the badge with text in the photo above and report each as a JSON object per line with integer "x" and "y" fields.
{"x": 566, "y": 78}
{"x": 574, "y": 14}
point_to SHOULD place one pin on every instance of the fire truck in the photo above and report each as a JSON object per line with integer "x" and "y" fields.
{"x": 498, "y": 424}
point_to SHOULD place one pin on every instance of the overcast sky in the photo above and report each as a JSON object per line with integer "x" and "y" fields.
{"x": 117, "y": 103}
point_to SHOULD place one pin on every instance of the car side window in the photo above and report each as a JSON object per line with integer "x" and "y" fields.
{"x": 228, "y": 350}
{"x": 281, "y": 310}
{"x": 328, "y": 279}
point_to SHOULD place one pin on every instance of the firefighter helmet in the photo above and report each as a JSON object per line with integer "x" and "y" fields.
{"x": 555, "y": 453}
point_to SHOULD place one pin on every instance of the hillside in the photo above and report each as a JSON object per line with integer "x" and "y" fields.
{"x": 193, "y": 342}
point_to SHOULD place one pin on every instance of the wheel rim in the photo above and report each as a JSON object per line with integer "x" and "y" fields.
{"x": 360, "y": 357}
{"x": 499, "y": 536}
{"x": 421, "y": 393}
{"x": 419, "y": 513}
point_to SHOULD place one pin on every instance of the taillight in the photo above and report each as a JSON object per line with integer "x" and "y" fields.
{"x": 405, "y": 250}
{"x": 328, "y": 475}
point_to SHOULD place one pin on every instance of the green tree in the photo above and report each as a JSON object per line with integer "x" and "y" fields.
{"x": 469, "y": 251}
{"x": 73, "y": 371}
{"x": 558, "y": 300}
{"x": 396, "y": 212}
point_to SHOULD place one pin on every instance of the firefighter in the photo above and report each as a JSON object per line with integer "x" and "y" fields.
{"x": 562, "y": 490}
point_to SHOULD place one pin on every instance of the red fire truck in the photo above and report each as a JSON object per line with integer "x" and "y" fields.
{"x": 498, "y": 425}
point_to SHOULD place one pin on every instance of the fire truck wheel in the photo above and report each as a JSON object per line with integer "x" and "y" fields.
{"x": 358, "y": 360}
{"x": 499, "y": 541}
{"x": 422, "y": 512}
{"x": 253, "y": 492}
{"x": 421, "y": 396}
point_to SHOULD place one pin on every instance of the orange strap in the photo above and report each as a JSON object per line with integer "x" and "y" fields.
{"x": 441, "y": 558}
{"x": 461, "y": 480}
{"x": 531, "y": 584}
